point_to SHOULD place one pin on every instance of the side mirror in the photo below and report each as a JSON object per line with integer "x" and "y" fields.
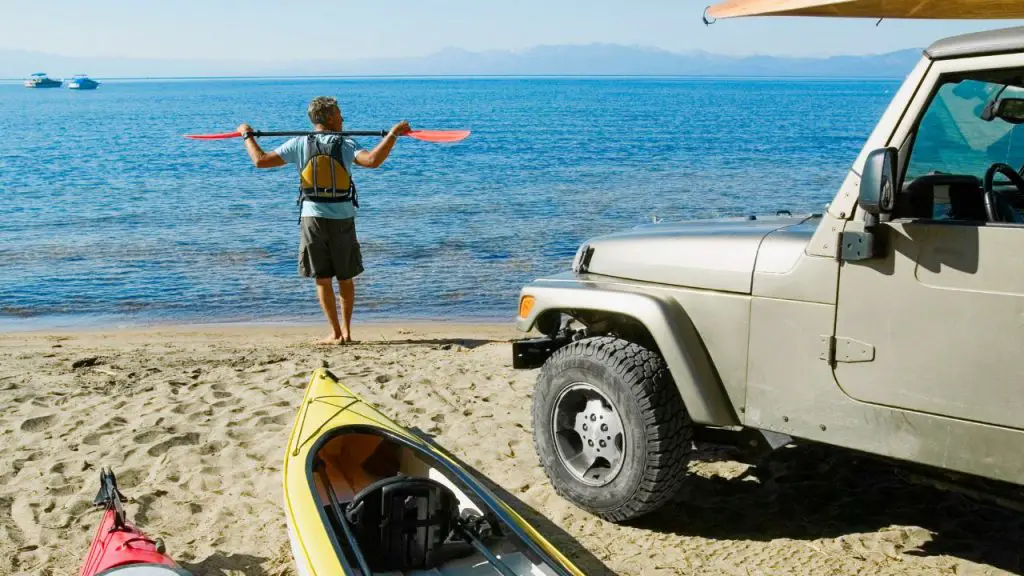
{"x": 878, "y": 182}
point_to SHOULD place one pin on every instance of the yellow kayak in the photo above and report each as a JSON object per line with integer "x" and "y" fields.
{"x": 363, "y": 495}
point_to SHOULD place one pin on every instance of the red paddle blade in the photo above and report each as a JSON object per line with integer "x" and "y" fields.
{"x": 438, "y": 135}
{"x": 214, "y": 136}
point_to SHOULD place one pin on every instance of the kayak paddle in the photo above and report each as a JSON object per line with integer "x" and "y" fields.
{"x": 439, "y": 136}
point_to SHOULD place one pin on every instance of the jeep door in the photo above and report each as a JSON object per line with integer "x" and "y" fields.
{"x": 935, "y": 323}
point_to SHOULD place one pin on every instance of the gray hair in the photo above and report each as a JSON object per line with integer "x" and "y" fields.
{"x": 320, "y": 109}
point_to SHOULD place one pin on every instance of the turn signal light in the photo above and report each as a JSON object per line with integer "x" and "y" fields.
{"x": 526, "y": 306}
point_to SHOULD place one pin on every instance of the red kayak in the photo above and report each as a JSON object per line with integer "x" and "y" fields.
{"x": 119, "y": 548}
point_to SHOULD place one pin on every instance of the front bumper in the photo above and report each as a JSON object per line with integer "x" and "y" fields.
{"x": 532, "y": 353}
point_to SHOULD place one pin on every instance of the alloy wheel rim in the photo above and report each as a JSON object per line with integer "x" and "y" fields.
{"x": 588, "y": 433}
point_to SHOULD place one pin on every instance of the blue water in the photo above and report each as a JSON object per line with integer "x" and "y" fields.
{"x": 109, "y": 216}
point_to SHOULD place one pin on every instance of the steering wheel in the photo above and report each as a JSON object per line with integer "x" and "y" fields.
{"x": 997, "y": 207}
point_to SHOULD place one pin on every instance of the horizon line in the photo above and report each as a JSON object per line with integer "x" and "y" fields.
{"x": 471, "y": 76}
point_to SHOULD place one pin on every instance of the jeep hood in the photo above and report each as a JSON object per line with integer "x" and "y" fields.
{"x": 707, "y": 254}
{"x": 944, "y": 9}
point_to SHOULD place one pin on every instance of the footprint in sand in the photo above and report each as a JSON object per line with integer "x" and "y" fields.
{"x": 57, "y": 485}
{"x": 279, "y": 420}
{"x": 129, "y": 477}
{"x": 93, "y": 439}
{"x": 212, "y": 447}
{"x": 190, "y": 439}
{"x": 76, "y": 508}
{"x": 220, "y": 394}
{"x": 39, "y": 423}
{"x": 8, "y": 527}
{"x": 240, "y": 435}
{"x": 115, "y": 422}
{"x": 147, "y": 437}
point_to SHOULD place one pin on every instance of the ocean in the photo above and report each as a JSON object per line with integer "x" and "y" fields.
{"x": 109, "y": 217}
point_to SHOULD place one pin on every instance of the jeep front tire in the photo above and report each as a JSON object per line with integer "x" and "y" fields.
{"x": 610, "y": 428}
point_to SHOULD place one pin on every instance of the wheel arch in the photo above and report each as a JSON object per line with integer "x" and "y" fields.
{"x": 667, "y": 325}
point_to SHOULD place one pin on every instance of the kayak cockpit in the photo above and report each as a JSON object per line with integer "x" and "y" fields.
{"x": 390, "y": 508}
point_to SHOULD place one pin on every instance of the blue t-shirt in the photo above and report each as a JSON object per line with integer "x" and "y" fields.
{"x": 294, "y": 152}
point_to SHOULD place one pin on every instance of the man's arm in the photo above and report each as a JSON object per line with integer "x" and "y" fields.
{"x": 260, "y": 159}
{"x": 374, "y": 158}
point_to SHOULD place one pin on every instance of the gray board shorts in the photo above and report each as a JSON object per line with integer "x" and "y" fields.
{"x": 329, "y": 248}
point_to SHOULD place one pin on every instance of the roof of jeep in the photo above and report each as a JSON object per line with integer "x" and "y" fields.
{"x": 985, "y": 43}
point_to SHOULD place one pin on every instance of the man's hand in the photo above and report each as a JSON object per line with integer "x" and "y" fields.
{"x": 376, "y": 157}
{"x": 260, "y": 159}
{"x": 401, "y": 128}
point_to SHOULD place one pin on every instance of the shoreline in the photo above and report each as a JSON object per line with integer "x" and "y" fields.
{"x": 291, "y": 325}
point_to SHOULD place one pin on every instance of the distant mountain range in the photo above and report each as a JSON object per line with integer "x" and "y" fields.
{"x": 583, "y": 60}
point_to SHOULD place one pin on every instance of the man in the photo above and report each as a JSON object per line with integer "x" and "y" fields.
{"x": 328, "y": 247}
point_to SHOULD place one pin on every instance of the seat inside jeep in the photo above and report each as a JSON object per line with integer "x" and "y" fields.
{"x": 941, "y": 197}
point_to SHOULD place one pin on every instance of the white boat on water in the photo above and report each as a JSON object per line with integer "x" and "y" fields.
{"x": 41, "y": 80}
{"x": 82, "y": 82}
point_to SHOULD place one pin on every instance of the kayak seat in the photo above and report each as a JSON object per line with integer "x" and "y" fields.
{"x": 401, "y": 523}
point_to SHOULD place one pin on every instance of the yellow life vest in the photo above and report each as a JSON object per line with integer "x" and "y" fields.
{"x": 324, "y": 177}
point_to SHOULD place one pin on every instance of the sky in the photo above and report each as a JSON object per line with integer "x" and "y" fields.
{"x": 349, "y": 30}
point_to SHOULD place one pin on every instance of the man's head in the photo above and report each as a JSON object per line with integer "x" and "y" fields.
{"x": 324, "y": 111}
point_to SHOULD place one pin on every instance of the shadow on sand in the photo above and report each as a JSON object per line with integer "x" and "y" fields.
{"x": 560, "y": 539}
{"x": 221, "y": 564}
{"x": 813, "y": 491}
{"x": 439, "y": 343}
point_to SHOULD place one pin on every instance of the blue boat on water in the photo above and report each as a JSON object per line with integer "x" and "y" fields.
{"x": 82, "y": 82}
{"x": 41, "y": 80}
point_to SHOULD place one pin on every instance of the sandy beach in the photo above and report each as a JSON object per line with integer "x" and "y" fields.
{"x": 194, "y": 419}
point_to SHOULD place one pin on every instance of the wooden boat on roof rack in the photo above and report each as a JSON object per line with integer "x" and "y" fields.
{"x": 911, "y": 9}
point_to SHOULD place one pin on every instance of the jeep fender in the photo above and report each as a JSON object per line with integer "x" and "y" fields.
{"x": 669, "y": 325}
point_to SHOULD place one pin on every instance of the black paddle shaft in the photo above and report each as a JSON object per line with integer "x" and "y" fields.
{"x": 381, "y": 133}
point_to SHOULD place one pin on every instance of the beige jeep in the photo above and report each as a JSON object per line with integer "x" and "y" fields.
{"x": 892, "y": 323}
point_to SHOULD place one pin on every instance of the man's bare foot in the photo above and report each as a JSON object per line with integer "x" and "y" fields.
{"x": 331, "y": 340}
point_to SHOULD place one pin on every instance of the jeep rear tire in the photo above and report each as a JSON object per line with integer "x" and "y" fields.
{"x": 610, "y": 428}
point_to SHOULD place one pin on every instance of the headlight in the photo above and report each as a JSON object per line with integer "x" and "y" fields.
{"x": 582, "y": 259}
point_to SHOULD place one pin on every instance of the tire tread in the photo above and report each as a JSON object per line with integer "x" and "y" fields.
{"x": 668, "y": 426}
